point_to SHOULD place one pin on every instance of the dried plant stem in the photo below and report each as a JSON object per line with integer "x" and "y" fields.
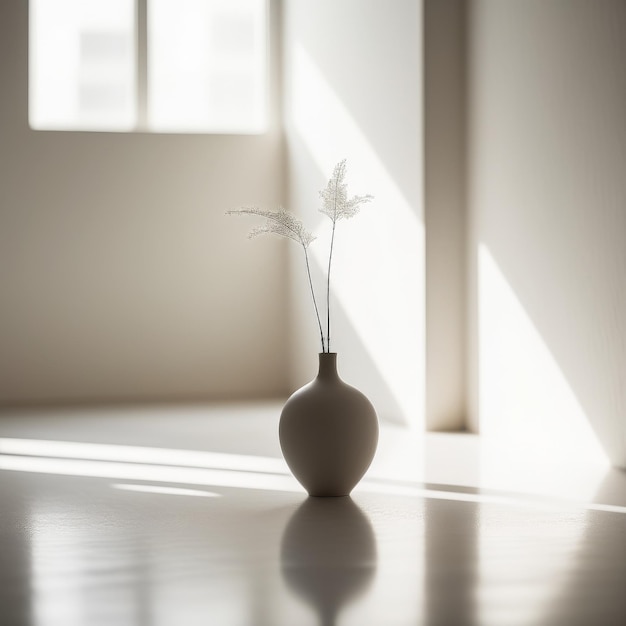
{"x": 336, "y": 205}
{"x": 317, "y": 313}
{"x": 330, "y": 260}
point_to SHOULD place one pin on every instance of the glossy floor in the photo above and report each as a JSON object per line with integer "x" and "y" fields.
{"x": 184, "y": 516}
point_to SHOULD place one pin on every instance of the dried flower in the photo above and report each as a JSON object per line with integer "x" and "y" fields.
{"x": 279, "y": 222}
{"x": 336, "y": 205}
{"x": 335, "y": 201}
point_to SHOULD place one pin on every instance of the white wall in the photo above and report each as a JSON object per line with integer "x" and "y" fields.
{"x": 547, "y": 200}
{"x": 120, "y": 276}
{"x": 353, "y": 85}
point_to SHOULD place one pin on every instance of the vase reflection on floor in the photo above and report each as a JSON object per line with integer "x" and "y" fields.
{"x": 328, "y": 554}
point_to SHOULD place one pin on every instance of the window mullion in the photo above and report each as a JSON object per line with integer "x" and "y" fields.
{"x": 142, "y": 64}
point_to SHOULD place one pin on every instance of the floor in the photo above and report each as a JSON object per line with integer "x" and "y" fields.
{"x": 185, "y": 515}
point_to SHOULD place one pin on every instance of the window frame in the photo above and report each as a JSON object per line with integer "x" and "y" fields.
{"x": 141, "y": 123}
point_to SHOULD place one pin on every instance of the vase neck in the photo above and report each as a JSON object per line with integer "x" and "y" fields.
{"x": 328, "y": 365}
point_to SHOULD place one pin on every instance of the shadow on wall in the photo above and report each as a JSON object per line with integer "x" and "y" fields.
{"x": 378, "y": 262}
{"x": 546, "y": 162}
{"x": 365, "y": 72}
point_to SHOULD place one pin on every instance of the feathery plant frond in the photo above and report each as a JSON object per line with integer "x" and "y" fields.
{"x": 335, "y": 202}
{"x": 336, "y": 205}
{"x": 279, "y": 222}
{"x": 285, "y": 224}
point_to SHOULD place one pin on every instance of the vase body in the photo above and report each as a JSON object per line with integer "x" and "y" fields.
{"x": 328, "y": 433}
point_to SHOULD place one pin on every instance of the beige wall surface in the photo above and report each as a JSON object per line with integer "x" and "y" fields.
{"x": 121, "y": 279}
{"x": 547, "y": 200}
{"x": 353, "y": 90}
{"x": 445, "y": 200}
{"x": 120, "y": 276}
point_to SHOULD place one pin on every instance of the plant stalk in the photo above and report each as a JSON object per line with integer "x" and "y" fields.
{"x": 317, "y": 313}
{"x": 330, "y": 260}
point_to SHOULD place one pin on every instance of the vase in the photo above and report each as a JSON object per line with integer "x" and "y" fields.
{"x": 328, "y": 432}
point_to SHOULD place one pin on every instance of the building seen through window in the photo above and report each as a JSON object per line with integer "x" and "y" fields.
{"x": 200, "y": 67}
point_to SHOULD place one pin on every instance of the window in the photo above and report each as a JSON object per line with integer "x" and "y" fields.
{"x": 156, "y": 65}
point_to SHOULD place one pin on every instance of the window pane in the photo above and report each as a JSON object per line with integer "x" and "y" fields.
{"x": 82, "y": 64}
{"x": 207, "y": 65}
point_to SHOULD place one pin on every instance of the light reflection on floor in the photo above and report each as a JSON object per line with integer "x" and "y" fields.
{"x": 112, "y": 545}
{"x": 163, "y": 490}
{"x": 219, "y": 469}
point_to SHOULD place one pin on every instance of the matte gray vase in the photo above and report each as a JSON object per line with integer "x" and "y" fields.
{"x": 328, "y": 433}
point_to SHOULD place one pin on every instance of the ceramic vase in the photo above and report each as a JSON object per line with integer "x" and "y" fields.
{"x": 328, "y": 432}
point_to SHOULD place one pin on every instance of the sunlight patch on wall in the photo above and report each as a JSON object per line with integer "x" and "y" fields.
{"x": 378, "y": 266}
{"x": 530, "y": 418}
